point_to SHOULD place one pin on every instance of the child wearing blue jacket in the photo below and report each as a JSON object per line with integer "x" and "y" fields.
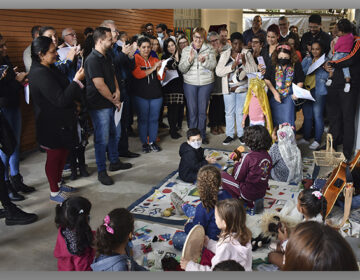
{"x": 314, "y": 110}
{"x": 208, "y": 183}
{"x": 113, "y": 243}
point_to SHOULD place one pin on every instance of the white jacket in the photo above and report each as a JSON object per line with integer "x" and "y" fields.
{"x": 196, "y": 73}
{"x": 225, "y": 249}
{"x": 223, "y": 70}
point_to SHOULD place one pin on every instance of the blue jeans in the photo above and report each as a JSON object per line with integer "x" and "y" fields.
{"x": 234, "y": 104}
{"x": 13, "y": 116}
{"x": 148, "y": 111}
{"x": 314, "y": 110}
{"x": 106, "y": 135}
{"x": 346, "y": 70}
{"x": 197, "y": 100}
{"x": 282, "y": 112}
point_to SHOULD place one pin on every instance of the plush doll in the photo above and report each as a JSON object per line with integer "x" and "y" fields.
{"x": 257, "y": 105}
{"x": 272, "y": 222}
{"x": 236, "y": 154}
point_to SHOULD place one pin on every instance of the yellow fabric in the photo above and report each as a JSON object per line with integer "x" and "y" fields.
{"x": 258, "y": 86}
{"x": 310, "y": 81}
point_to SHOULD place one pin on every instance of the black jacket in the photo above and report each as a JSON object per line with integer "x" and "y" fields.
{"x": 176, "y": 85}
{"x": 190, "y": 163}
{"x": 53, "y": 98}
{"x": 9, "y": 87}
{"x": 322, "y": 36}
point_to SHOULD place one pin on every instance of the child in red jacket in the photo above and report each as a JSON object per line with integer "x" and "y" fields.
{"x": 73, "y": 247}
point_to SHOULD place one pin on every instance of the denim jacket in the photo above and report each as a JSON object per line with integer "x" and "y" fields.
{"x": 320, "y": 76}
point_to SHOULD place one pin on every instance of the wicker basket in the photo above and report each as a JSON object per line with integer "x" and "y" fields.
{"x": 328, "y": 157}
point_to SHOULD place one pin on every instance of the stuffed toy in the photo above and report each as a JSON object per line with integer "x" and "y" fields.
{"x": 272, "y": 222}
{"x": 236, "y": 154}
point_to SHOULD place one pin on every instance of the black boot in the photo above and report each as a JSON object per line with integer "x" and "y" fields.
{"x": 15, "y": 216}
{"x": 13, "y": 194}
{"x": 83, "y": 171}
{"x": 73, "y": 175}
{"x": 18, "y": 184}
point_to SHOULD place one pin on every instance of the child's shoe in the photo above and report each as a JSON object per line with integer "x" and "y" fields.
{"x": 314, "y": 145}
{"x": 328, "y": 82}
{"x": 66, "y": 188}
{"x": 347, "y": 87}
{"x": 177, "y": 202}
{"x": 60, "y": 197}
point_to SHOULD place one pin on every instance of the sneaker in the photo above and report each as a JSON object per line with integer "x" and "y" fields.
{"x": 347, "y": 87}
{"x": 146, "y": 148}
{"x": 104, "y": 178}
{"x": 13, "y": 194}
{"x": 241, "y": 139}
{"x": 18, "y": 184}
{"x": 328, "y": 82}
{"x": 154, "y": 147}
{"x": 302, "y": 141}
{"x": 16, "y": 216}
{"x": 66, "y": 188}
{"x": 119, "y": 166}
{"x": 60, "y": 197}
{"x": 177, "y": 202}
{"x": 314, "y": 145}
{"x": 228, "y": 140}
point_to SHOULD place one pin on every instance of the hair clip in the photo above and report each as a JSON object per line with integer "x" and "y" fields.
{"x": 317, "y": 194}
{"x": 106, "y": 223}
{"x": 81, "y": 211}
{"x": 286, "y": 47}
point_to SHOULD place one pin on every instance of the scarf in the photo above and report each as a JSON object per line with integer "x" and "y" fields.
{"x": 290, "y": 153}
{"x": 283, "y": 80}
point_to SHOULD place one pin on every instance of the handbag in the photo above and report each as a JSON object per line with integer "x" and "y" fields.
{"x": 7, "y": 138}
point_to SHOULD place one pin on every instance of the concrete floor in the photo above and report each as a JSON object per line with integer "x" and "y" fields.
{"x": 30, "y": 247}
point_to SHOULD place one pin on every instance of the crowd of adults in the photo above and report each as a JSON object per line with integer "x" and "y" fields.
{"x": 113, "y": 75}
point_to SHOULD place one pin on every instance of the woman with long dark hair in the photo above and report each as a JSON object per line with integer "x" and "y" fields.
{"x": 53, "y": 96}
{"x": 173, "y": 90}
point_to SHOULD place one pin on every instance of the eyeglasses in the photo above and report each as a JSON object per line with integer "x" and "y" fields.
{"x": 71, "y": 34}
{"x": 214, "y": 41}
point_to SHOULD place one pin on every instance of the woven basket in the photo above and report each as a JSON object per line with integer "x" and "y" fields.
{"x": 328, "y": 157}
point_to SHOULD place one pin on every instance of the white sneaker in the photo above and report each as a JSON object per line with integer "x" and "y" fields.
{"x": 314, "y": 145}
{"x": 347, "y": 87}
{"x": 302, "y": 141}
{"x": 328, "y": 82}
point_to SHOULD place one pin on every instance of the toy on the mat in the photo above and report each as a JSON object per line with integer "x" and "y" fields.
{"x": 259, "y": 241}
{"x": 272, "y": 222}
{"x": 169, "y": 263}
{"x": 146, "y": 248}
{"x": 168, "y": 212}
{"x": 164, "y": 237}
{"x": 236, "y": 154}
{"x": 194, "y": 244}
{"x": 155, "y": 239}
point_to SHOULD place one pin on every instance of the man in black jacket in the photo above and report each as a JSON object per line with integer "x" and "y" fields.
{"x": 341, "y": 106}
{"x": 315, "y": 33}
{"x": 192, "y": 156}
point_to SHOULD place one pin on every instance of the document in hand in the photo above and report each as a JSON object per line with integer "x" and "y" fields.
{"x": 170, "y": 75}
{"x": 117, "y": 115}
{"x": 302, "y": 93}
{"x": 316, "y": 64}
{"x": 163, "y": 64}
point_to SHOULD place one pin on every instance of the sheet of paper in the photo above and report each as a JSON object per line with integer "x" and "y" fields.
{"x": 302, "y": 93}
{"x": 27, "y": 93}
{"x": 260, "y": 59}
{"x": 170, "y": 75}
{"x": 62, "y": 52}
{"x": 117, "y": 115}
{"x": 163, "y": 64}
{"x": 316, "y": 64}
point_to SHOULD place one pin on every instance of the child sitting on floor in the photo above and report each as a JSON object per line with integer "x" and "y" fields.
{"x": 192, "y": 156}
{"x": 113, "y": 243}
{"x": 312, "y": 204}
{"x": 208, "y": 183}
{"x": 234, "y": 240}
{"x": 250, "y": 176}
{"x": 73, "y": 248}
{"x": 285, "y": 155}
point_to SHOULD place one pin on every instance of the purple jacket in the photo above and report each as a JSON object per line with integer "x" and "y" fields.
{"x": 252, "y": 174}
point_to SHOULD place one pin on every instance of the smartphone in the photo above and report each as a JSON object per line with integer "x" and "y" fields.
{"x": 3, "y": 68}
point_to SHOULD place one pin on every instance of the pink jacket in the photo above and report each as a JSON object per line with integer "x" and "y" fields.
{"x": 69, "y": 262}
{"x": 225, "y": 249}
{"x": 345, "y": 43}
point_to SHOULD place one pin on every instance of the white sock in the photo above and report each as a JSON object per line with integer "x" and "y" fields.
{"x": 347, "y": 87}
{"x": 54, "y": 193}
